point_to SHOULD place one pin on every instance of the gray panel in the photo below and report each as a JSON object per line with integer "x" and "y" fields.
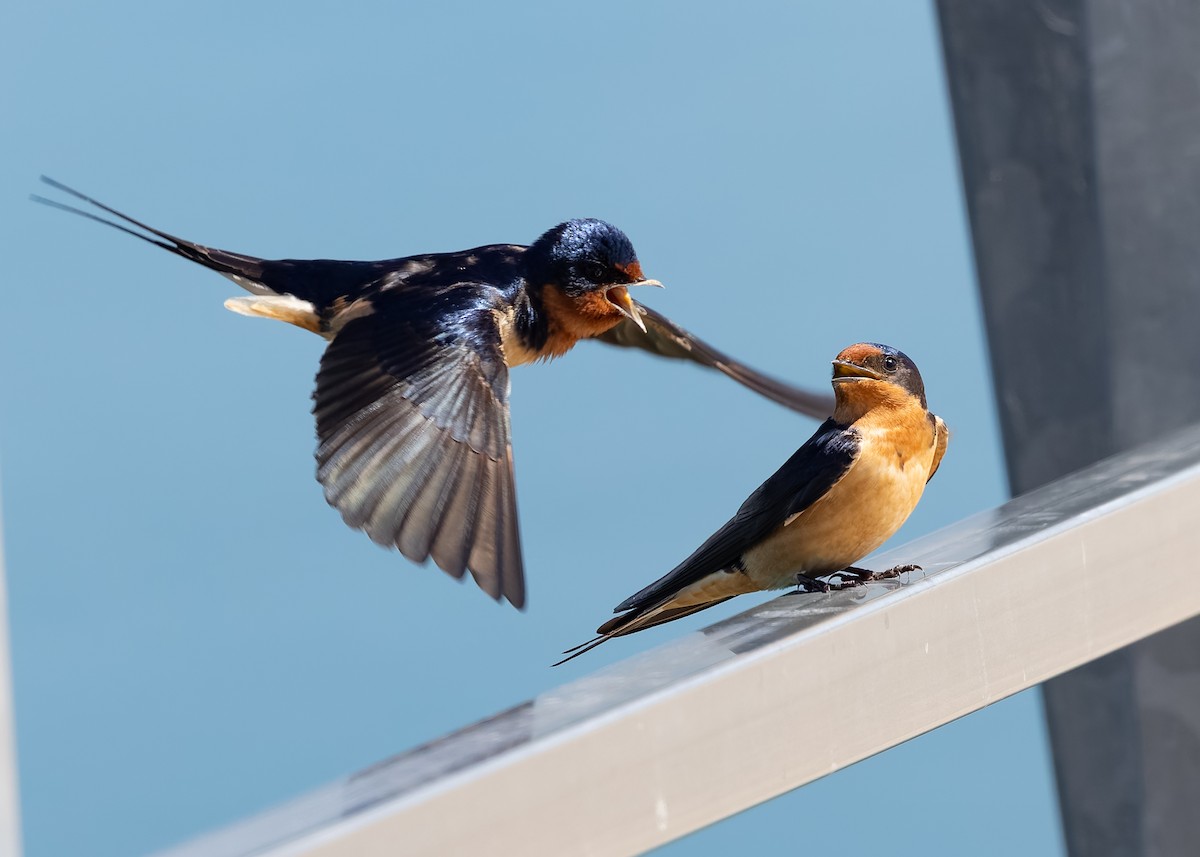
{"x": 1079, "y": 133}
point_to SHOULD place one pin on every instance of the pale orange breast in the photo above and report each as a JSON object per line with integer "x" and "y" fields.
{"x": 860, "y": 512}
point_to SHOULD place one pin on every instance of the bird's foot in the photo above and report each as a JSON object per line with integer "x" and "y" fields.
{"x": 806, "y": 584}
{"x": 848, "y": 578}
{"x": 897, "y": 570}
{"x": 851, "y": 576}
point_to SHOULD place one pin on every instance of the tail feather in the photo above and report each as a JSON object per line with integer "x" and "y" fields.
{"x": 575, "y": 651}
{"x": 247, "y": 271}
{"x": 635, "y": 621}
{"x": 629, "y": 624}
{"x": 322, "y": 282}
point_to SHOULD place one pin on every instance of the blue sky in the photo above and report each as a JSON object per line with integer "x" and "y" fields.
{"x": 195, "y": 634}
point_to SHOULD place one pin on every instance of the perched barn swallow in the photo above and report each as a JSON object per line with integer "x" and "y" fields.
{"x": 839, "y": 497}
{"x": 411, "y": 399}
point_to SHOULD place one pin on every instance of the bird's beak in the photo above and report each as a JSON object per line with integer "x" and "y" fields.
{"x": 619, "y": 297}
{"x": 843, "y": 370}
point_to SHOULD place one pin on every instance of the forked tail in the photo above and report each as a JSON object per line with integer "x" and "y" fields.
{"x": 246, "y": 271}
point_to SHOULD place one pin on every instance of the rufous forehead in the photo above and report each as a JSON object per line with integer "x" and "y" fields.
{"x": 633, "y": 270}
{"x": 859, "y": 352}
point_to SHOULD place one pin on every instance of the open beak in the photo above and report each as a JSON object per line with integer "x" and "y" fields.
{"x": 619, "y": 297}
{"x": 844, "y": 371}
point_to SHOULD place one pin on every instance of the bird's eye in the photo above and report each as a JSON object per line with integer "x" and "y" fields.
{"x": 891, "y": 364}
{"x": 594, "y": 271}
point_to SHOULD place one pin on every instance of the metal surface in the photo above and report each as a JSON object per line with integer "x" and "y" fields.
{"x": 1079, "y": 135}
{"x": 10, "y": 817}
{"x": 650, "y": 749}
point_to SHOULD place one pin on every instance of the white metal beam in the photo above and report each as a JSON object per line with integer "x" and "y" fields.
{"x": 10, "y": 817}
{"x": 655, "y": 747}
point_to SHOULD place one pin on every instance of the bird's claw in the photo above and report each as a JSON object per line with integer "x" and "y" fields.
{"x": 850, "y": 577}
{"x": 806, "y": 585}
{"x": 897, "y": 570}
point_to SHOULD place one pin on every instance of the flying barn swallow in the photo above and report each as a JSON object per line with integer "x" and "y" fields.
{"x": 411, "y": 398}
{"x": 839, "y": 497}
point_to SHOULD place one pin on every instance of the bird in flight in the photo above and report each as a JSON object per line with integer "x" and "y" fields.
{"x": 839, "y": 497}
{"x": 411, "y": 400}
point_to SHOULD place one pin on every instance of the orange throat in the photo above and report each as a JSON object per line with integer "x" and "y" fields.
{"x": 572, "y": 319}
{"x": 856, "y": 398}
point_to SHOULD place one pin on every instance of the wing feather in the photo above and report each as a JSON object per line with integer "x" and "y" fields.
{"x": 667, "y": 339}
{"x": 414, "y": 437}
{"x": 455, "y": 532}
{"x": 941, "y": 439}
{"x": 425, "y": 510}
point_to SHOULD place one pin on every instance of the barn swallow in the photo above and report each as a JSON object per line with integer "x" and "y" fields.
{"x": 839, "y": 497}
{"x": 411, "y": 398}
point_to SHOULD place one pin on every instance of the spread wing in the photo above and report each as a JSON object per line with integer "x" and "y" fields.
{"x": 667, "y": 339}
{"x": 414, "y": 443}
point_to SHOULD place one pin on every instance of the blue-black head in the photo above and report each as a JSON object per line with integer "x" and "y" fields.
{"x": 875, "y": 362}
{"x": 581, "y": 256}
